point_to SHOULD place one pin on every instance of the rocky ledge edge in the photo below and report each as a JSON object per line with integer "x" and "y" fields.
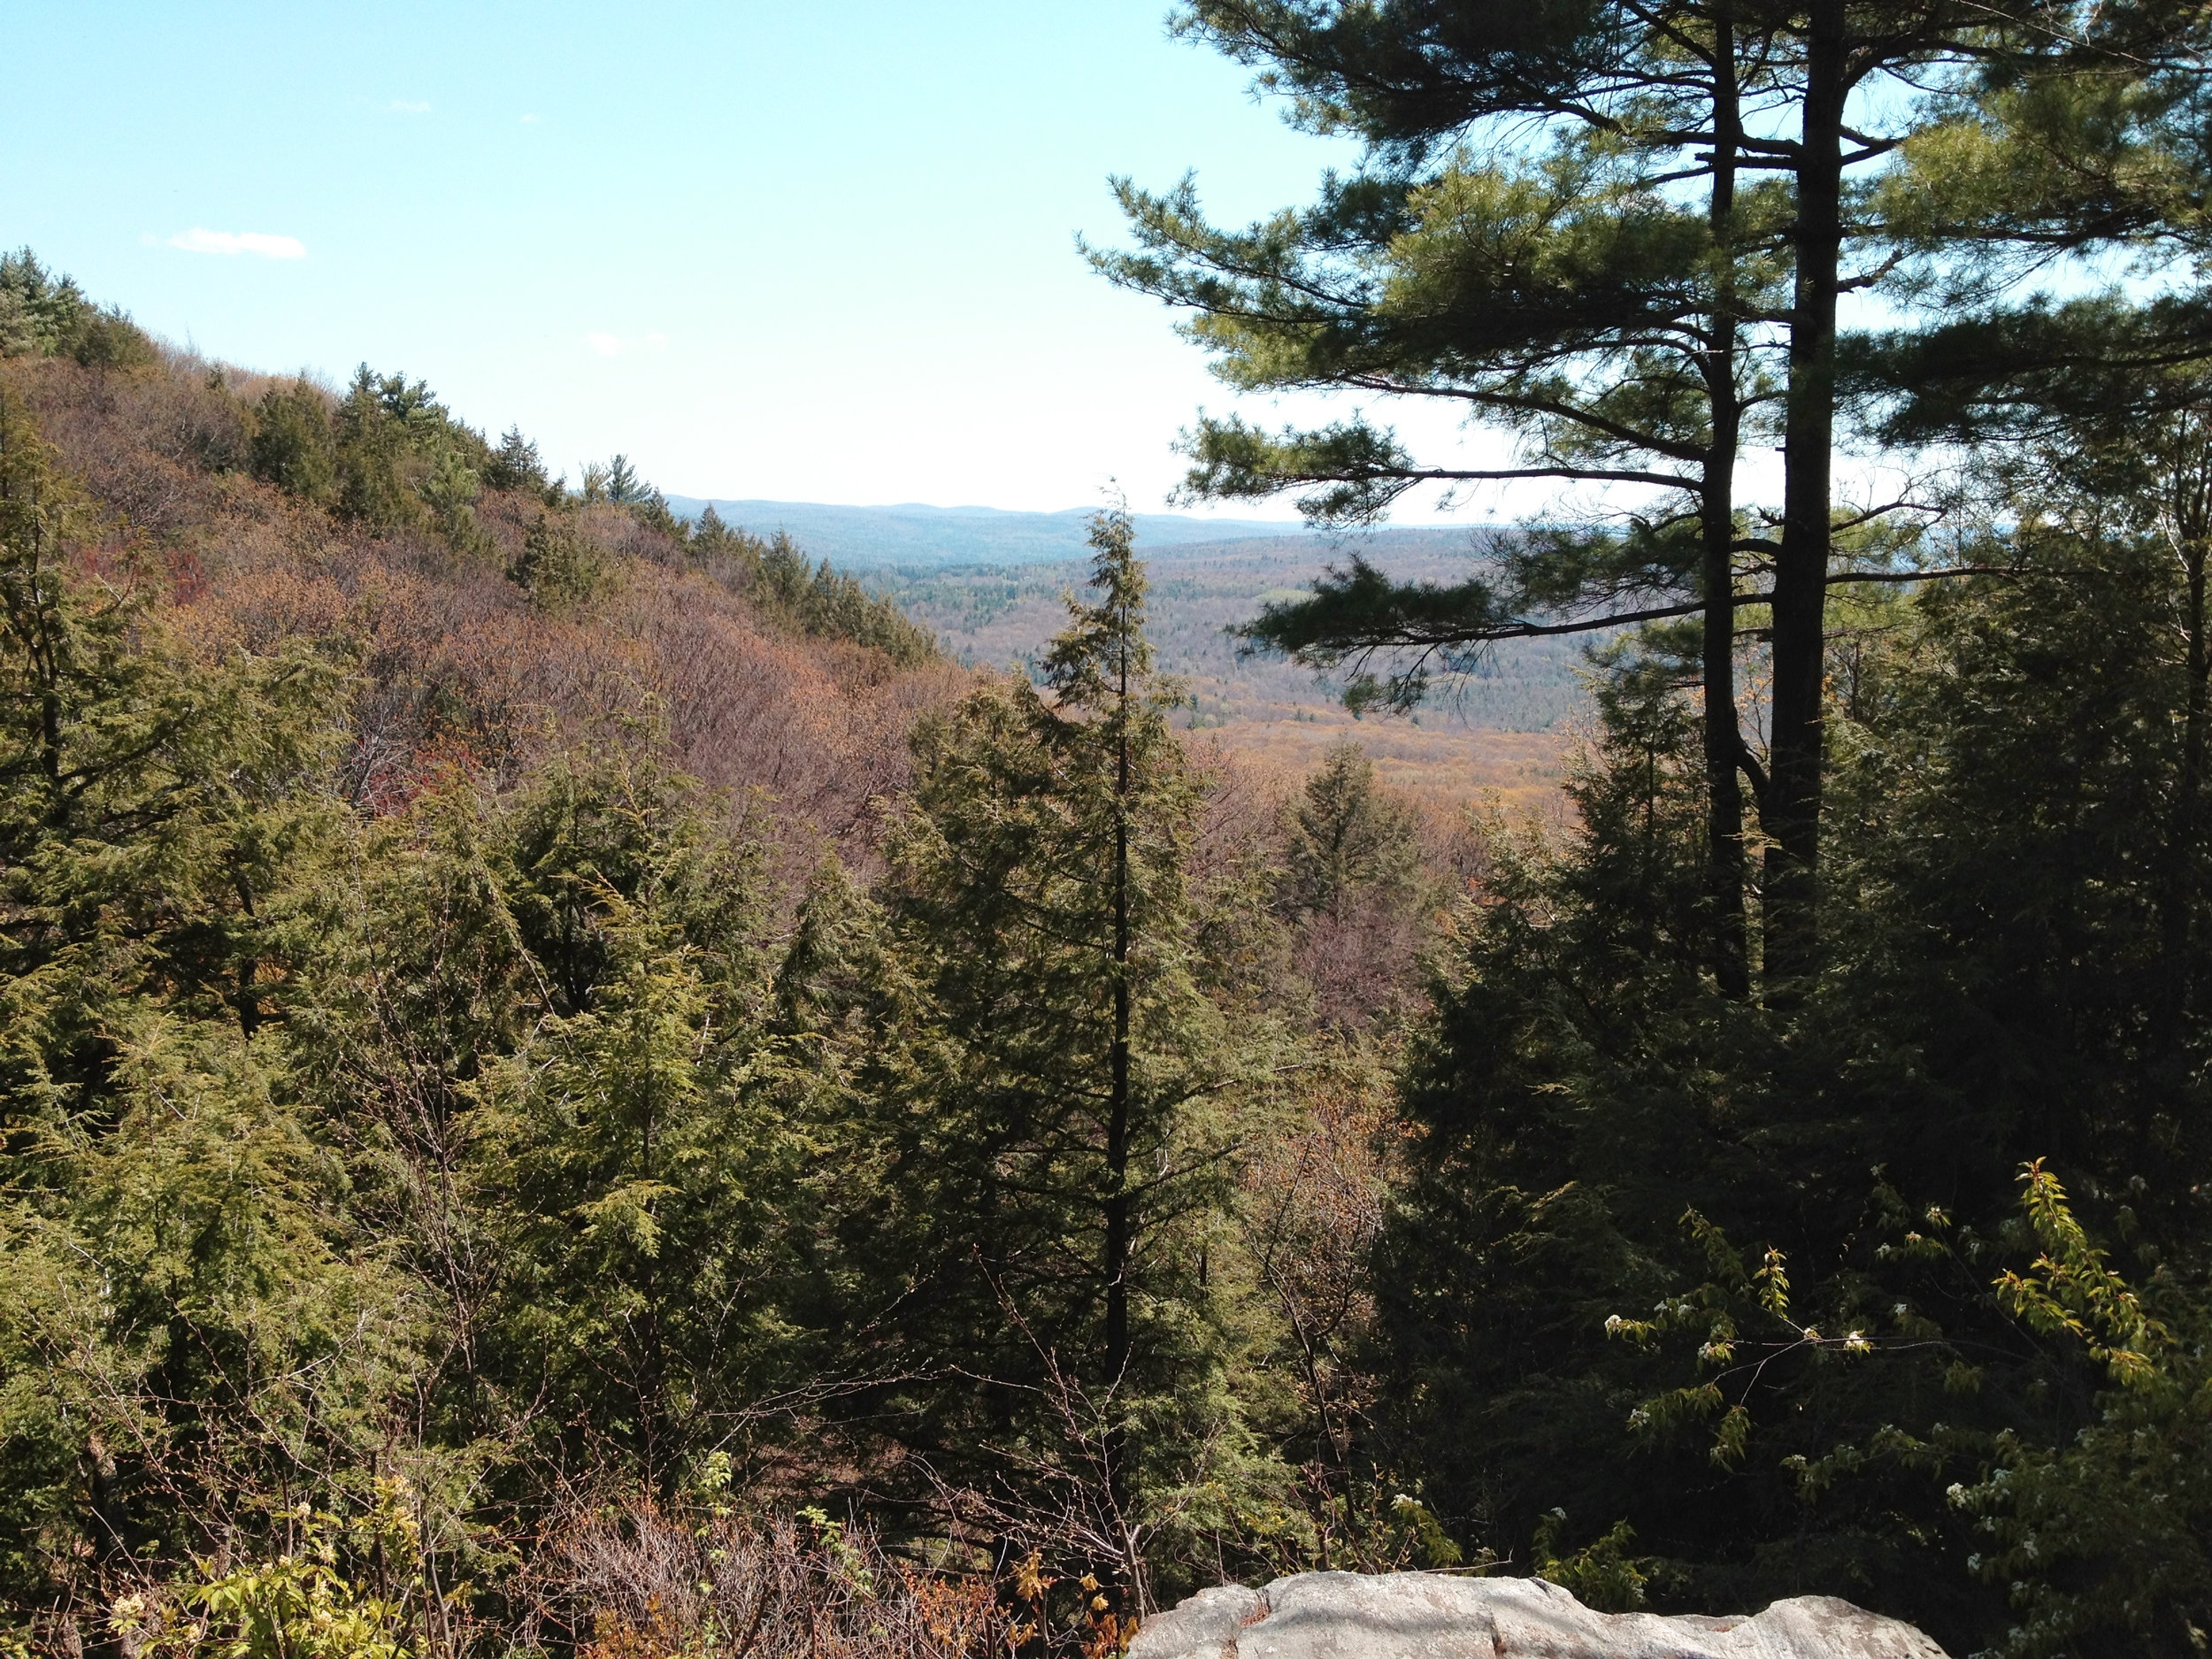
{"x": 1436, "y": 1615}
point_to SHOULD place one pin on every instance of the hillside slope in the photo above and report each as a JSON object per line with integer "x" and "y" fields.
{"x": 493, "y": 616}
{"x": 488, "y": 614}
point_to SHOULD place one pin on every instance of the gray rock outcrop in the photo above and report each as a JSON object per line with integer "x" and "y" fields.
{"x": 1434, "y": 1616}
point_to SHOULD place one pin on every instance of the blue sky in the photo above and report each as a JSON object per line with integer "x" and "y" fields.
{"x": 805, "y": 252}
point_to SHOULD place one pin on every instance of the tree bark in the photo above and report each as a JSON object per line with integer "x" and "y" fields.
{"x": 1723, "y": 738}
{"x": 1792, "y": 889}
{"x": 2191, "y": 530}
{"x": 2187, "y": 790}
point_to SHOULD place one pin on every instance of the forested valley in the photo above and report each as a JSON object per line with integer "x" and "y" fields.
{"x": 573, "y": 1088}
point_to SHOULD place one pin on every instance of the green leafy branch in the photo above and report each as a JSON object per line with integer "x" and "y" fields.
{"x": 2069, "y": 1289}
{"x": 1710, "y": 1309}
{"x": 303, "y": 1604}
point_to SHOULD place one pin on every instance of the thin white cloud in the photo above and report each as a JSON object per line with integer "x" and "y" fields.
{"x": 201, "y": 239}
{"x": 531, "y": 120}
{"x": 409, "y": 106}
{"x": 616, "y": 345}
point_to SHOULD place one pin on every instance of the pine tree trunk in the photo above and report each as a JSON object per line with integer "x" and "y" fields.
{"x": 2193, "y": 532}
{"x": 2188, "y": 790}
{"x": 1724, "y": 738}
{"x": 1800, "y": 575}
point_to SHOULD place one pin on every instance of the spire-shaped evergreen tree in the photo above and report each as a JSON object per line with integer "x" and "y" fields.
{"x": 516, "y": 464}
{"x": 1058, "y": 1102}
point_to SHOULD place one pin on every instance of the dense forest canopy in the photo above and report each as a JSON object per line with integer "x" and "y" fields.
{"x": 571, "y": 1086}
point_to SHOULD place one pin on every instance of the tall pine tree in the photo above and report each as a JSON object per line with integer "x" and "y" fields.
{"x": 1057, "y": 1101}
{"x": 1621, "y": 233}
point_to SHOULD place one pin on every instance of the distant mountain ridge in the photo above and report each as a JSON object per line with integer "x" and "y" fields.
{"x": 916, "y": 535}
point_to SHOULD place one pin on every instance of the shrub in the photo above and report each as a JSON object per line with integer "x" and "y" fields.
{"x": 631, "y": 1581}
{"x": 559, "y": 565}
{"x": 292, "y": 446}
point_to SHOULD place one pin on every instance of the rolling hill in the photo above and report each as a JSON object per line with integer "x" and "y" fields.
{"x": 913, "y": 535}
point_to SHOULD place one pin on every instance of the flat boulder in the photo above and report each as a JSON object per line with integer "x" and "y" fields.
{"x": 1439, "y": 1615}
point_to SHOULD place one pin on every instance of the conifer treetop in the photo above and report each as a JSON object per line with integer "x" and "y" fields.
{"x": 1102, "y": 652}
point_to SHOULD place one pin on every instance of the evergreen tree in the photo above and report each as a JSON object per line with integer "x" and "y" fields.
{"x": 401, "y": 458}
{"x": 149, "y": 806}
{"x": 732, "y": 557}
{"x": 623, "y": 485}
{"x": 450, "y": 489}
{"x": 1345, "y": 833}
{"x": 185, "y": 1328}
{"x": 629, "y": 1154}
{"x": 1514, "y": 243}
{"x": 516, "y": 464}
{"x": 43, "y": 314}
{"x": 1060, "y": 1104}
{"x": 819, "y": 600}
{"x": 711, "y": 532}
{"x": 559, "y": 565}
{"x": 38, "y": 309}
{"x": 377, "y": 425}
{"x": 1561, "y": 289}
{"x": 293, "y": 445}
{"x": 1758, "y": 1249}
